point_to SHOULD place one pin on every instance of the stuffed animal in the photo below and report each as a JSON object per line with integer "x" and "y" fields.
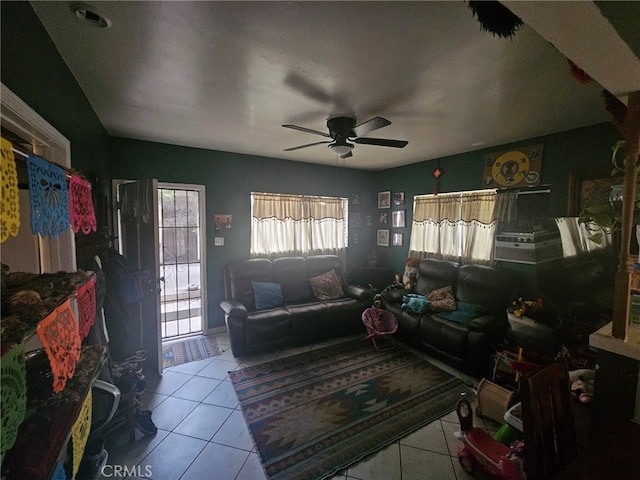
{"x": 415, "y": 303}
{"x": 410, "y": 273}
{"x": 377, "y": 300}
{"x": 582, "y": 384}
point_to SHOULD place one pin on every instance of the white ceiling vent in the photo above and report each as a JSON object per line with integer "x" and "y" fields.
{"x": 90, "y": 15}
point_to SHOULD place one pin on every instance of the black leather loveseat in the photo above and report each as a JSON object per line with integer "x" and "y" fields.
{"x": 298, "y": 316}
{"x": 464, "y": 343}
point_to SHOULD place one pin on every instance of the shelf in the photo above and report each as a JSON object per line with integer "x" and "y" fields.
{"x": 44, "y": 435}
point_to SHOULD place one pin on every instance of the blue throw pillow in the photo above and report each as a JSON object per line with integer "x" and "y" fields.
{"x": 465, "y": 312}
{"x": 415, "y": 303}
{"x": 267, "y": 295}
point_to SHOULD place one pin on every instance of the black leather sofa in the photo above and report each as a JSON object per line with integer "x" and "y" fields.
{"x": 465, "y": 346}
{"x": 301, "y": 318}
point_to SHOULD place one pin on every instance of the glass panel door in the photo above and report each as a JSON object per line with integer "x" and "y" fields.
{"x": 181, "y": 260}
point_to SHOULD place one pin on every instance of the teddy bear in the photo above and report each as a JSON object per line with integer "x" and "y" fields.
{"x": 410, "y": 273}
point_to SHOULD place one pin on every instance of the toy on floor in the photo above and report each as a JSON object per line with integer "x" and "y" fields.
{"x": 582, "y": 384}
{"x": 482, "y": 452}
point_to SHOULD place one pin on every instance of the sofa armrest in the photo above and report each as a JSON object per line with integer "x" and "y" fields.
{"x": 395, "y": 295}
{"x": 488, "y": 323}
{"x": 359, "y": 293}
{"x": 234, "y": 308}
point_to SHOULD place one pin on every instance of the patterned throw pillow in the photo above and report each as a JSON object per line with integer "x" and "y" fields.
{"x": 442, "y": 300}
{"x": 327, "y": 286}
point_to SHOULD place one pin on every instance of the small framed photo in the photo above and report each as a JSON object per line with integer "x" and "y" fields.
{"x": 384, "y": 199}
{"x": 368, "y": 220}
{"x": 383, "y": 218}
{"x": 382, "y": 237}
{"x": 356, "y": 219}
{"x": 397, "y": 239}
{"x": 223, "y": 220}
{"x": 398, "y": 198}
{"x": 355, "y": 199}
{"x": 398, "y": 219}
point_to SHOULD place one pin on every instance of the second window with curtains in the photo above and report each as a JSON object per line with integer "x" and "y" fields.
{"x": 288, "y": 225}
{"x": 454, "y": 226}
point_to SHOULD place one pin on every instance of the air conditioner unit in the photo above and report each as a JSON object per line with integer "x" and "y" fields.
{"x": 530, "y": 248}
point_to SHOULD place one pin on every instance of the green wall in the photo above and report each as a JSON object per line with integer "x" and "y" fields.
{"x": 581, "y": 150}
{"x": 229, "y": 179}
{"x": 34, "y": 70}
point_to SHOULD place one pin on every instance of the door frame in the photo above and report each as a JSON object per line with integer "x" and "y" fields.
{"x": 56, "y": 254}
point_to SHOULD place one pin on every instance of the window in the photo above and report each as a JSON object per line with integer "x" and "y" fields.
{"x": 577, "y": 238}
{"x": 454, "y": 226}
{"x": 283, "y": 225}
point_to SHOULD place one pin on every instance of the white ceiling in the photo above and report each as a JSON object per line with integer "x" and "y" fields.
{"x": 226, "y": 75}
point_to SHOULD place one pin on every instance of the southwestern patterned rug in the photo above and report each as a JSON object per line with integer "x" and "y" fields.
{"x": 316, "y": 413}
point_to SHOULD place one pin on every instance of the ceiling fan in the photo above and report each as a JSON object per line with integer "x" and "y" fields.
{"x": 343, "y": 130}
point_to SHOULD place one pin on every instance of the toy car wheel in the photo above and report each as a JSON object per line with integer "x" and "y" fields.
{"x": 467, "y": 462}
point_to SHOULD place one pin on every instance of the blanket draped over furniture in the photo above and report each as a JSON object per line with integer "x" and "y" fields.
{"x": 466, "y": 316}
{"x": 316, "y": 413}
{"x": 271, "y": 304}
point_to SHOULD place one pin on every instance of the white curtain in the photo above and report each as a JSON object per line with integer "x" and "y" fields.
{"x": 454, "y": 226}
{"x": 575, "y": 237}
{"x": 291, "y": 225}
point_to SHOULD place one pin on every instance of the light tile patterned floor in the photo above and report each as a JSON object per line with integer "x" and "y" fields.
{"x": 221, "y": 448}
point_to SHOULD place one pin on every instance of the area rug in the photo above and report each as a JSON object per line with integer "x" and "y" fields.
{"x": 316, "y": 413}
{"x": 196, "y": 348}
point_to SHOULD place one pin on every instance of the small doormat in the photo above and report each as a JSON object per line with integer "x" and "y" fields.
{"x": 196, "y": 348}
{"x": 312, "y": 414}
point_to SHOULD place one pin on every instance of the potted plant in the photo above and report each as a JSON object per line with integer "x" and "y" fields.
{"x": 600, "y": 218}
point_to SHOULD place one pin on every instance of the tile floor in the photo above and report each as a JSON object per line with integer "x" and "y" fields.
{"x": 221, "y": 448}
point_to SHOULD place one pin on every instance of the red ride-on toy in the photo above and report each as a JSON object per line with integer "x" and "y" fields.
{"x": 481, "y": 451}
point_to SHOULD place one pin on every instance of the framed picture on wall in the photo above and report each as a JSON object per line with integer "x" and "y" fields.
{"x": 368, "y": 220}
{"x": 382, "y": 237}
{"x": 384, "y": 199}
{"x": 383, "y": 218}
{"x": 222, "y": 220}
{"x": 589, "y": 187}
{"x": 356, "y": 219}
{"x": 398, "y": 219}
{"x": 397, "y": 239}
{"x": 398, "y": 198}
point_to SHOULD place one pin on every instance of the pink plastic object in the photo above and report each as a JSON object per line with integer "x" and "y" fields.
{"x": 380, "y": 323}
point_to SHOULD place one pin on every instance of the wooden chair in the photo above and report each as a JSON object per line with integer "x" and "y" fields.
{"x": 547, "y": 416}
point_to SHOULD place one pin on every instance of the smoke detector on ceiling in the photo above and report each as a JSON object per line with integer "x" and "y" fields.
{"x": 90, "y": 15}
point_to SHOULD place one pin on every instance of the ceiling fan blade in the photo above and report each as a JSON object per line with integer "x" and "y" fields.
{"x": 382, "y": 142}
{"x": 307, "y": 130}
{"x": 369, "y": 126}
{"x": 304, "y": 146}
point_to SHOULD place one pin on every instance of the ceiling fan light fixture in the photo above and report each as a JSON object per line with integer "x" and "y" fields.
{"x": 340, "y": 148}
